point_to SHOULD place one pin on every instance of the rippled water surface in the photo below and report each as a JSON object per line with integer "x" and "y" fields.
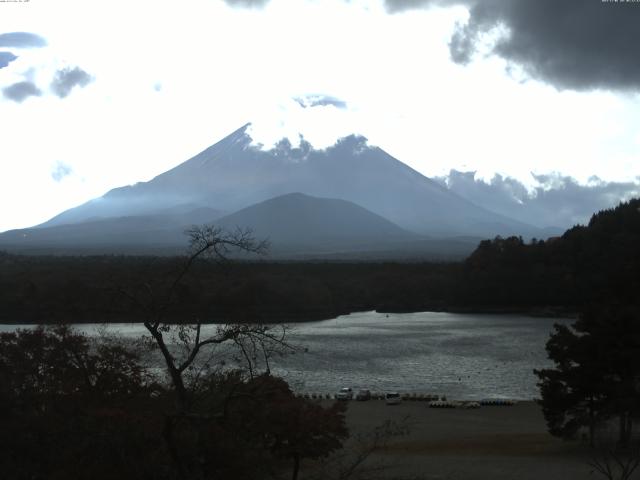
{"x": 463, "y": 356}
{"x": 459, "y": 355}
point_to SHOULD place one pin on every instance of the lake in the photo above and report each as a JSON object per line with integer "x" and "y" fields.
{"x": 462, "y": 356}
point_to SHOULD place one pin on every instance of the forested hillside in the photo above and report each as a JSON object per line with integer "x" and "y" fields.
{"x": 596, "y": 262}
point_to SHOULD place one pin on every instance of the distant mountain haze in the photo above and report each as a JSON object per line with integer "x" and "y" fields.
{"x": 350, "y": 197}
{"x": 233, "y": 174}
{"x": 162, "y": 229}
{"x": 296, "y": 225}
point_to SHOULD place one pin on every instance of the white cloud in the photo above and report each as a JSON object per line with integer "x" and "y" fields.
{"x": 220, "y": 67}
{"x": 60, "y": 171}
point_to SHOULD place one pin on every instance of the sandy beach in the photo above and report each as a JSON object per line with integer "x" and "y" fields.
{"x": 492, "y": 442}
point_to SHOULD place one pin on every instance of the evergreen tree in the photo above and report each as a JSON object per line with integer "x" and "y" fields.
{"x": 597, "y": 373}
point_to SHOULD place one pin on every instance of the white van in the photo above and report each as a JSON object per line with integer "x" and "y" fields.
{"x": 392, "y": 398}
{"x": 345, "y": 393}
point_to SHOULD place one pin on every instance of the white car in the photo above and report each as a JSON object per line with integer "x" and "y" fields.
{"x": 345, "y": 394}
{"x": 392, "y": 398}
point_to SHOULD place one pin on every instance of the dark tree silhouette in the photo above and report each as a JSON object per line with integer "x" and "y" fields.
{"x": 597, "y": 375}
{"x": 207, "y": 242}
{"x": 71, "y": 396}
{"x": 265, "y": 409}
{"x": 315, "y": 431}
{"x": 69, "y": 403}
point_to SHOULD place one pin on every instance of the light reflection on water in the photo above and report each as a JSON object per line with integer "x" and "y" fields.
{"x": 459, "y": 355}
{"x": 463, "y": 356}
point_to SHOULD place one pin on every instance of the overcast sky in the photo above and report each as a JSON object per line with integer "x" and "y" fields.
{"x": 96, "y": 94}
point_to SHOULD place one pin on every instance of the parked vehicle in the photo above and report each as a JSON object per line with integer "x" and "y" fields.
{"x": 363, "y": 395}
{"x": 392, "y": 398}
{"x": 345, "y": 393}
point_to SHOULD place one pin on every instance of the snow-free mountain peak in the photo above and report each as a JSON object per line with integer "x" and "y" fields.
{"x": 234, "y": 173}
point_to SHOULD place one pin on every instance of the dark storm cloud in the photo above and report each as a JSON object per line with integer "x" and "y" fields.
{"x": 574, "y": 44}
{"x": 19, "y": 92}
{"x": 557, "y": 200}
{"x": 6, "y": 58}
{"x": 461, "y": 46}
{"x": 66, "y": 79}
{"x": 60, "y": 171}
{"x": 320, "y": 100}
{"x": 246, "y": 3}
{"x": 22, "y": 40}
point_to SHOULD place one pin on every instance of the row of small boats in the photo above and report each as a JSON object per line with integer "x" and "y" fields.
{"x": 434, "y": 401}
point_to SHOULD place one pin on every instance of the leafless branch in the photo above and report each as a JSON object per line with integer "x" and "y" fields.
{"x": 623, "y": 467}
{"x": 352, "y": 463}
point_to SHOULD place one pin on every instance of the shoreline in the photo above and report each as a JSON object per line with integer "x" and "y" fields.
{"x": 534, "y": 312}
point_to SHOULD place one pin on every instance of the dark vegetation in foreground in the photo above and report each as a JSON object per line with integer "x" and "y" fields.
{"x": 549, "y": 277}
{"x": 74, "y": 407}
{"x": 101, "y": 407}
{"x": 594, "y": 387}
{"x": 595, "y": 384}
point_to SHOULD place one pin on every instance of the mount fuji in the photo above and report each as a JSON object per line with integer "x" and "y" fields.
{"x": 346, "y": 185}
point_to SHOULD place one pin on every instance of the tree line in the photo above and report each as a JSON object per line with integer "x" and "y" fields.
{"x": 556, "y": 275}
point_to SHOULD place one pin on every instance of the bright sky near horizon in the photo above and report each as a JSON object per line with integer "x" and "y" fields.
{"x": 96, "y": 95}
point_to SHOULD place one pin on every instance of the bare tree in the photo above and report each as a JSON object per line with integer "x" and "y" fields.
{"x": 355, "y": 461}
{"x": 615, "y": 465}
{"x": 181, "y": 344}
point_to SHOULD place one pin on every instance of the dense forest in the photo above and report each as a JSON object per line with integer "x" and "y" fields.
{"x": 555, "y": 276}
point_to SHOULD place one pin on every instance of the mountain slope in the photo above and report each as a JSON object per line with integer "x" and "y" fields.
{"x": 316, "y": 224}
{"x": 233, "y": 174}
{"x": 165, "y": 229}
{"x": 296, "y": 225}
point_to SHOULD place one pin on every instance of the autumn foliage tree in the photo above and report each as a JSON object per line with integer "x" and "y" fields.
{"x": 289, "y": 427}
{"x": 74, "y": 407}
{"x": 67, "y": 402}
